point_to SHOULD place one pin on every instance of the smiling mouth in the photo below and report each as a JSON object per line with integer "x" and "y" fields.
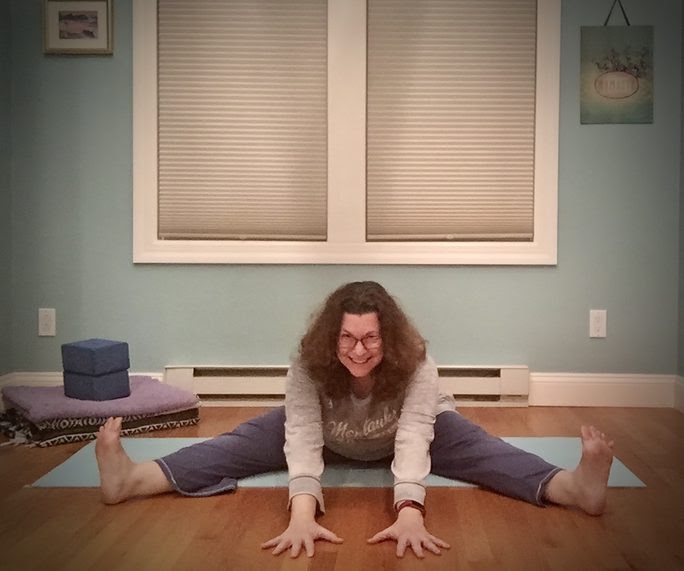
{"x": 360, "y": 362}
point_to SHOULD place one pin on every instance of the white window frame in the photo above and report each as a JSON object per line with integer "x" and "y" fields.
{"x": 346, "y": 242}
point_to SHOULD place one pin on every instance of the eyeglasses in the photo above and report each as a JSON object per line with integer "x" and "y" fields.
{"x": 371, "y": 341}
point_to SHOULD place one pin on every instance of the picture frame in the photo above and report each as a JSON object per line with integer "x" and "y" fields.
{"x": 79, "y": 27}
{"x": 616, "y": 74}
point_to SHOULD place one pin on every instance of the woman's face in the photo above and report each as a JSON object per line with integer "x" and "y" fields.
{"x": 359, "y": 346}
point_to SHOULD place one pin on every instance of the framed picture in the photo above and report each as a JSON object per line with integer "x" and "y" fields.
{"x": 616, "y": 74}
{"x": 77, "y": 27}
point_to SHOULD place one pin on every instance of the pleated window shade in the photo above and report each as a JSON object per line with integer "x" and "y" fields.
{"x": 242, "y": 119}
{"x": 450, "y": 120}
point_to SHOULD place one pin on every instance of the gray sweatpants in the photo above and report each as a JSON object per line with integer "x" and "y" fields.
{"x": 461, "y": 450}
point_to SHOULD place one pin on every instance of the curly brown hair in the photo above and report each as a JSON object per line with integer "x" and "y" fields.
{"x": 403, "y": 347}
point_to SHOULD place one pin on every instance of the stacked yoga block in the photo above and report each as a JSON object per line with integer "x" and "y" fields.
{"x": 96, "y": 369}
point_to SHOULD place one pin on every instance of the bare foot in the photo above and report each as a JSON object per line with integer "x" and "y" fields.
{"x": 591, "y": 475}
{"x": 586, "y": 486}
{"x": 112, "y": 461}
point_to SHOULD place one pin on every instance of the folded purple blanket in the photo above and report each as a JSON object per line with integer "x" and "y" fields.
{"x": 148, "y": 396}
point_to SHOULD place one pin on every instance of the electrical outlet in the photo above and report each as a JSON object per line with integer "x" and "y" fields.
{"x": 597, "y": 322}
{"x": 47, "y": 322}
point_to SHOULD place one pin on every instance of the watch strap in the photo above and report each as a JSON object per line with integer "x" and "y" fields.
{"x": 410, "y": 504}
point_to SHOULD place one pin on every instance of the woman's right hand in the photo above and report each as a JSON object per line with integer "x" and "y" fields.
{"x": 298, "y": 535}
{"x": 303, "y": 530}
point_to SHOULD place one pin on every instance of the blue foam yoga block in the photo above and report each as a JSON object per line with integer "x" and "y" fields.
{"x": 95, "y": 356}
{"x": 109, "y": 386}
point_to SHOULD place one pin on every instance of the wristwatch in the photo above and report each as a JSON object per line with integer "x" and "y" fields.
{"x": 410, "y": 504}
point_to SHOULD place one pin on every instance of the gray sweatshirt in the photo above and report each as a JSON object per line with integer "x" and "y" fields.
{"x": 352, "y": 429}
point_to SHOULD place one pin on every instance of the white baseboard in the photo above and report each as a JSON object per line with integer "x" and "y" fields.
{"x": 50, "y": 379}
{"x": 31, "y": 379}
{"x": 679, "y": 394}
{"x": 546, "y": 389}
{"x": 587, "y": 389}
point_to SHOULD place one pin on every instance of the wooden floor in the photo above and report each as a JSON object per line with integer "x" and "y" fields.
{"x": 642, "y": 529}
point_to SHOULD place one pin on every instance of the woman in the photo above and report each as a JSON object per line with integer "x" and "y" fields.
{"x": 361, "y": 388}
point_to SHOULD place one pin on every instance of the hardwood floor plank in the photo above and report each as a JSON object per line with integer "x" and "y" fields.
{"x": 62, "y": 528}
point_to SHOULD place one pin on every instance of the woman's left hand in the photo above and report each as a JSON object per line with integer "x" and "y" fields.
{"x": 409, "y": 531}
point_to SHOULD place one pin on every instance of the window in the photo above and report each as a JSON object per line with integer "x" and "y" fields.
{"x": 346, "y": 131}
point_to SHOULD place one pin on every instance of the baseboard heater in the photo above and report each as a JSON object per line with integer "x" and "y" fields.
{"x": 261, "y": 386}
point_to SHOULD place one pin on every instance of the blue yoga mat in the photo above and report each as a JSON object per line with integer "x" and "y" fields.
{"x": 80, "y": 470}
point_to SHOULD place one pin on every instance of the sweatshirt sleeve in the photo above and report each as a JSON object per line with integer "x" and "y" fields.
{"x": 303, "y": 435}
{"x": 415, "y": 433}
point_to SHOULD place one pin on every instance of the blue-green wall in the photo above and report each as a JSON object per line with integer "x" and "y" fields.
{"x": 680, "y": 369}
{"x": 618, "y": 235}
{"x": 5, "y": 204}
